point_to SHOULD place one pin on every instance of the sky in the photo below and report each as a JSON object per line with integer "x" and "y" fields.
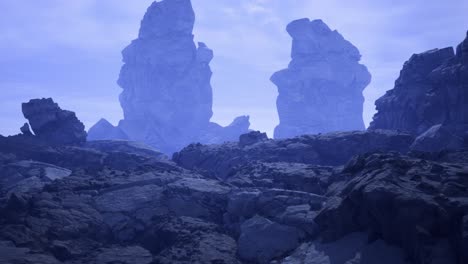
{"x": 71, "y": 50}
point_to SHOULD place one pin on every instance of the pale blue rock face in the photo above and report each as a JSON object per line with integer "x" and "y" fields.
{"x": 321, "y": 90}
{"x": 167, "y": 96}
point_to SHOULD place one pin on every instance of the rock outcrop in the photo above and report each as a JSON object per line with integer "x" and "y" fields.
{"x": 430, "y": 96}
{"x": 252, "y": 138}
{"x": 332, "y": 149}
{"x": 321, "y": 90}
{"x": 408, "y": 202}
{"x": 167, "y": 95}
{"x": 25, "y": 130}
{"x": 52, "y": 124}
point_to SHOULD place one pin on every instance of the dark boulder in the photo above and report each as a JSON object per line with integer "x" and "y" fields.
{"x": 440, "y": 137}
{"x": 52, "y": 124}
{"x": 262, "y": 240}
{"x": 25, "y": 130}
{"x": 252, "y": 138}
{"x": 411, "y": 203}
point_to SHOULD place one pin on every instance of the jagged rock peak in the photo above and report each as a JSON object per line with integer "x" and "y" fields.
{"x": 321, "y": 90}
{"x": 169, "y": 17}
{"x": 103, "y": 129}
{"x": 52, "y": 124}
{"x": 315, "y": 38}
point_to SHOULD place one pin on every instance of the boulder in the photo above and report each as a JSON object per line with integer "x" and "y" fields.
{"x": 252, "y": 138}
{"x": 411, "y": 203}
{"x": 190, "y": 240}
{"x": 261, "y": 240}
{"x": 321, "y": 90}
{"x": 438, "y": 138}
{"x": 52, "y": 124}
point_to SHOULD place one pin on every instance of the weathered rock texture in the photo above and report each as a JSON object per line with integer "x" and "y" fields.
{"x": 331, "y": 149}
{"x": 262, "y": 202}
{"x": 321, "y": 90}
{"x": 120, "y": 202}
{"x": 411, "y": 203}
{"x": 430, "y": 98}
{"x": 167, "y": 96}
{"x": 52, "y": 124}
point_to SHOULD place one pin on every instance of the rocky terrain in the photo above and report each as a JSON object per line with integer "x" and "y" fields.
{"x": 321, "y": 90}
{"x": 394, "y": 194}
{"x": 337, "y": 198}
{"x": 167, "y": 96}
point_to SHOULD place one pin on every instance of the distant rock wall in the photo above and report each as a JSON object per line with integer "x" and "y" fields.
{"x": 430, "y": 99}
{"x": 321, "y": 90}
{"x": 167, "y": 96}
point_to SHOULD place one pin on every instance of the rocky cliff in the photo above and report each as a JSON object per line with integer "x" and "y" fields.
{"x": 321, "y": 90}
{"x": 430, "y": 99}
{"x": 167, "y": 96}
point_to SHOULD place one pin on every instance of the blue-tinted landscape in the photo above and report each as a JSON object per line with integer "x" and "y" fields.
{"x": 234, "y": 132}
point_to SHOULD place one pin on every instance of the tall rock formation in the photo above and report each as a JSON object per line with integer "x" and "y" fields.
{"x": 167, "y": 96}
{"x": 321, "y": 90}
{"x": 430, "y": 99}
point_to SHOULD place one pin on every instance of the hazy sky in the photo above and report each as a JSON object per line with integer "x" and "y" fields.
{"x": 70, "y": 50}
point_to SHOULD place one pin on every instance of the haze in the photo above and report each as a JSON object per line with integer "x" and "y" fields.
{"x": 70, "y": 50}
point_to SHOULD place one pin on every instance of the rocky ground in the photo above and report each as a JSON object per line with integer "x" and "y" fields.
{"x": 342, "y": 198}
